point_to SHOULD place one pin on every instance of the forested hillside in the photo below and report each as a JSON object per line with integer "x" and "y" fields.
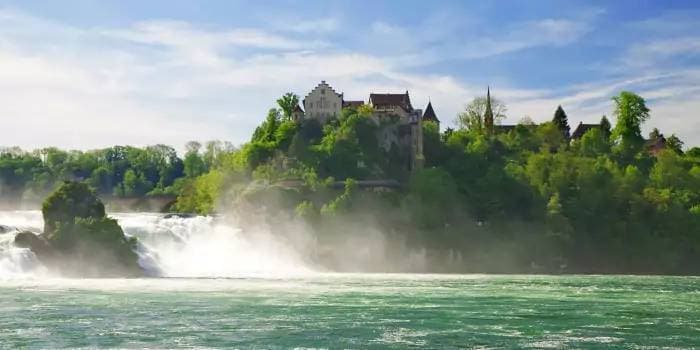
{"x": 526, "y": 198}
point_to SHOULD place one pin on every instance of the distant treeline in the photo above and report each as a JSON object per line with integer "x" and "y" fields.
{"x": 121, "y": 171}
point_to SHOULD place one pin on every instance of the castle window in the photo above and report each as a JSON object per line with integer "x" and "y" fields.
{"x": 323, "y": 91}
{"x": 311, "y": 105}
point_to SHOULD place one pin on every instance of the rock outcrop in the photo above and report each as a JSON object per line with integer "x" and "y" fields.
{"x": 79, "y": 239}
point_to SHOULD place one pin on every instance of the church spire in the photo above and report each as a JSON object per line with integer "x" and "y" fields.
{"x": 488, "y": 113}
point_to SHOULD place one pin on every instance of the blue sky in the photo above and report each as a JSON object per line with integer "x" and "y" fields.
{"x": 86, "y": 74}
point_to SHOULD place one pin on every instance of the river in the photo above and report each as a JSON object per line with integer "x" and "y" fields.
{"x": 215, "y": 287}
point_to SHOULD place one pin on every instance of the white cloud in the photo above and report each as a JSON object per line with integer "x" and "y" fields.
{"x": 170, "y": 82}
{"x": 545, "y": 32}
{"x": 185, "y": 35}
{"x": 656, "y": 52}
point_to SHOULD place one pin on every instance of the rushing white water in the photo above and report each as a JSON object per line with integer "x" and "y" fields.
{"x": 174, "y": 247}
{"x": 18, "y": 262}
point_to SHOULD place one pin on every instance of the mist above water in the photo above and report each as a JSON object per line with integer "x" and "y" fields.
{"x": 206, "y": 247}
{"x": 209, "y": 247}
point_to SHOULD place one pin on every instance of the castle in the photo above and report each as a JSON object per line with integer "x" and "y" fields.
{"x": 400, "y": 125}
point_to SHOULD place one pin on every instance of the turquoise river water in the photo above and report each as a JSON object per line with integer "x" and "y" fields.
{"x": 354, "y": 311}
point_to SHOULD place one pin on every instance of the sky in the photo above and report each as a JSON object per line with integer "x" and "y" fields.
{"x": 90, "y": 74}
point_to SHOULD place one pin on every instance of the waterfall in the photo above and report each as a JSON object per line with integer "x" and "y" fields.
{"x": 18, "y": 262}
{"x": 174, "y": 247}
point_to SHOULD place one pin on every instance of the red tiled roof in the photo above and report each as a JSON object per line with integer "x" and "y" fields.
{"x": 353, "y": 104}
{"x": 401, "y": 100}
{"x": 581, "y": 129}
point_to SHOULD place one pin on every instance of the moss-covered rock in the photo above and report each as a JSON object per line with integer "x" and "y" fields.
{"x": 70, "y": 201}
{"x": 79, "y": 239}
{"x": 36, "y": 243}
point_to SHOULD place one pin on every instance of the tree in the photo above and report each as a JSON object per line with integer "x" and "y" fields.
{"x": 71, "y": 200}
{"x": 473, "y": 116}
{"x": 631, "y": 112}
{"x": 432, "y": 198}
{"x": 593, "y": 143}
{"x": 605, "y": 126}
{"x": 561, "y": 121}
{"x": 201, "y": 195}
{"x": 551, "y": 136}
{"x": 694, "y": 152}
{"x": 266, "y": 131}
{"x": 674, "y": 143}
{"x": 193, "y": 147}
{"x": 135, "y": 184}
{"x": 432, "y": 146}
{"x": 365, "y": 110}
{"x": 193, "y": 163}
{"x": 655, "y": 134}
{"x": 288, "y": 103}
{"x": 311, "y": 130}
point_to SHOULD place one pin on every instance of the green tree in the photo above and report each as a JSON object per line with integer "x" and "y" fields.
{"x": 71, "y": 200}
{"x": 472, "y": 118}
{"x": 135, "y": 184}
{"x": 288, "y": 103}
{"x": 267, "y": 130}
{"x": 674, "y": 143}
{"x": 631, "y": 112}
{"x": 433, "y": 197}
{"x": 605, "y": 126}
{"x": 202, "y": 194}
{"x": 562, "y": 122}
{"x": 193, "y": 164}
{"x": 594, "y": 143}
{"x": 551, "y": 136}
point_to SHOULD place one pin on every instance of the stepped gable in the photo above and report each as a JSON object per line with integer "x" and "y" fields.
{"x": 322, "y": 85}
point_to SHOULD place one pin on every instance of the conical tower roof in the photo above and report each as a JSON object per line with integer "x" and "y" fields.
{"x": 429, "y": 114}
{"x": 488, "y": 113}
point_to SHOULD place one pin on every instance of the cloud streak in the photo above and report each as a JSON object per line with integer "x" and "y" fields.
{"x": 166, "y": 81}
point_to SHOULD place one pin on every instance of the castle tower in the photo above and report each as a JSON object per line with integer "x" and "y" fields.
{"x": 430, "y": 116}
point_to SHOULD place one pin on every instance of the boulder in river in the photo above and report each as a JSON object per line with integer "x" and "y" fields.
{"x": 36, "y": 243}
{"x": 79, "y": 239}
